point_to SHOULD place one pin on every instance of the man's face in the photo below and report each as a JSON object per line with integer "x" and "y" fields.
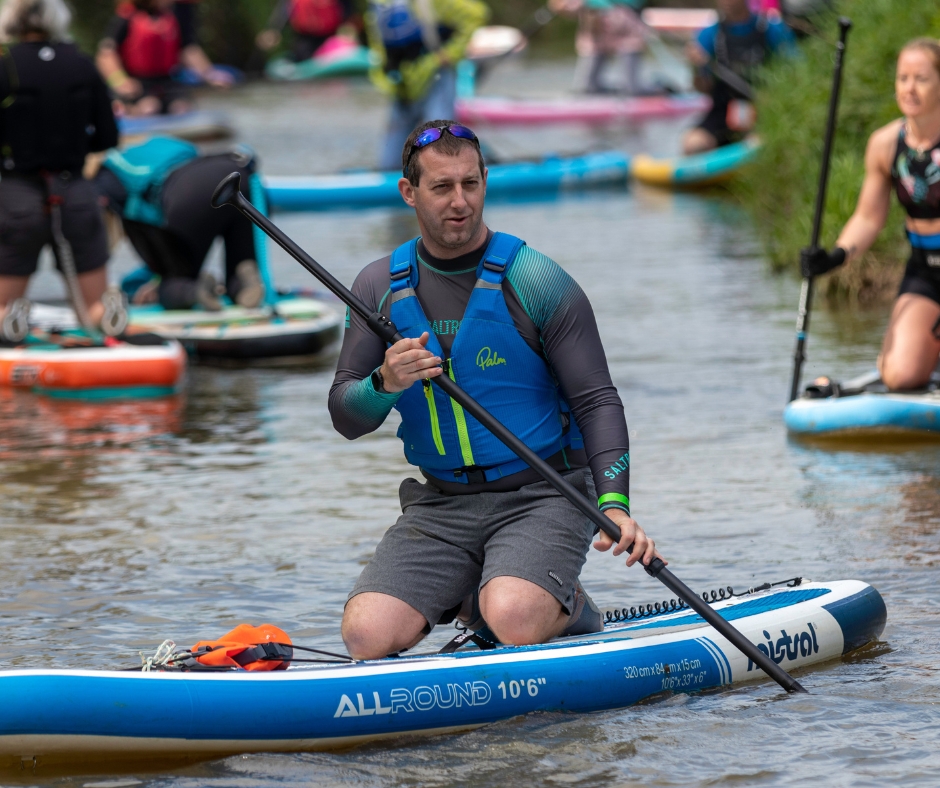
{"x": 448, "y": 199}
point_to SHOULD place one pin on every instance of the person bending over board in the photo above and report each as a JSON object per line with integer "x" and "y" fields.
{"x": 143, "y": 47}
{"x": 482, "y": 538}
{"x": 903, "y": 157}
{"x": 416, "y": 45}
{"x": 726, "y": 57}
{"x": 54, "y": 110}
{"x": 161, "y": 191}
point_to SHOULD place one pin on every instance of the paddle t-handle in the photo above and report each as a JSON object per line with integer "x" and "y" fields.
{"x": 228, "y": 193}
{"x": 806, "y": 290}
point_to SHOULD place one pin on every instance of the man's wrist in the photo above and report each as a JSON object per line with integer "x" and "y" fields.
{"x": 614, "y": 501}
{"x": 378, "y": 381}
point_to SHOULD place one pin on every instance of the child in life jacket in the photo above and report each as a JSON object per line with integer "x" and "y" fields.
{"x": 311, "y": 22}
{"x": 142, "y": 49}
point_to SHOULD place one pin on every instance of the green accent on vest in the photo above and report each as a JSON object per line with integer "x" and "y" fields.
{"x": 435, "y": 423}
{"x": 463, "y": 434}
{"x": 487, "y": 358}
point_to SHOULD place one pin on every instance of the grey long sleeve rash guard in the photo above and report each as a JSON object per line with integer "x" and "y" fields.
{"x": 553, "y": 316}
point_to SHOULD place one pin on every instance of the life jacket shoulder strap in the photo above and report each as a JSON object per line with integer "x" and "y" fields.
{"x": 403, "y": 266}
{"x": 497, "y": 258}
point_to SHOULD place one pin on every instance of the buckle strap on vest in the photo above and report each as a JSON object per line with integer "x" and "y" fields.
{"x": 403, "y": 263}
{"x": 474, "y": 474}
{"x": 501, "y": 251}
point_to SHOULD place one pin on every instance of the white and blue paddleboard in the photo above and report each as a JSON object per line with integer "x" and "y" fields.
{"x": 73, "y": 716}
{"x": 863, "y": 407}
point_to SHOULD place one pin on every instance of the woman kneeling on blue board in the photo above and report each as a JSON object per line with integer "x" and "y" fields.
{"x": 903, "y": 156}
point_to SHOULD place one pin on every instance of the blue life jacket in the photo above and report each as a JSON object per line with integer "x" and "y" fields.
{"x": 402, "y": 34}
{"x": 491, "y": 361}
{"x": 397, "y": 22}
{"x": 142, "y": 170}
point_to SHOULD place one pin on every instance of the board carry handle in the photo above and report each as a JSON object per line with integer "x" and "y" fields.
{"x": 228, "y": 193}
{"x": 806, "y": 291}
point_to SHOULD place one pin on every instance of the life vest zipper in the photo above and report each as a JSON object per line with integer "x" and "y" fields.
{"x": 463, "y": 434}
{"x": 435, "y": 424}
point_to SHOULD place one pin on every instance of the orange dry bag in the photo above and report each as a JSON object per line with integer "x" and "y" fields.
{"x": 251, "y": 648}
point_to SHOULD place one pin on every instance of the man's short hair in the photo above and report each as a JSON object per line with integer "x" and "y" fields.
{"x": 448, "y": 143}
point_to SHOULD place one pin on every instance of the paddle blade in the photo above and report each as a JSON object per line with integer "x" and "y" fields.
{"x": 227, "y": 190}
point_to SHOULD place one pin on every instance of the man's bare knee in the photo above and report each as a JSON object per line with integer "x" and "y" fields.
{"x": 519, "y": 612}
{"x": 376, "y": 625}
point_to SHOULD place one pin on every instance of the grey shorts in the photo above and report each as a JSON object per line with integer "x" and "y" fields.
{"x": 25, "y": 226}
{"x": 445, "y": 546}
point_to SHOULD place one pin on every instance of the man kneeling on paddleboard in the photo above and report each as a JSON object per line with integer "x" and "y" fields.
{"x": 483, "y": 538}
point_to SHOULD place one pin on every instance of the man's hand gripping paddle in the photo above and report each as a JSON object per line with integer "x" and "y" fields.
{"x": 228, "y": 192}
{"x": 806, "y": 292}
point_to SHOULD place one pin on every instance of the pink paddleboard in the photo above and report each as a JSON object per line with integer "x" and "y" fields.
{"x": 578, "y": 110}
{"x": 682, "y": 22}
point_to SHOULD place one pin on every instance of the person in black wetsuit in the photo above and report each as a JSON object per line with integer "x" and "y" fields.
{"x": 903, "y": 157}
{"x": 483, "y": 538}
{"x": 54, "y": 110}
{"x": 726, "y": 57}
{"x": 176, "y": 249}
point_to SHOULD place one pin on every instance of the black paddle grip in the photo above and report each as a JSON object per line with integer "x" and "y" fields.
{"x": 384, "y": 328}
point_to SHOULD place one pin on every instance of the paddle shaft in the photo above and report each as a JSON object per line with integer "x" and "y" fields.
{"x": 385, "y": 329}
{"x": 806, "y": 291}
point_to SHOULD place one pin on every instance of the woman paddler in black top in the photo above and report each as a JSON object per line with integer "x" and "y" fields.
{"x": 903, "y": 156}
{"x": 54, "y": 110}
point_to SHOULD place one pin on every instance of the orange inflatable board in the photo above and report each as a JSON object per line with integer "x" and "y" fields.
{"x": 119, "y": 370}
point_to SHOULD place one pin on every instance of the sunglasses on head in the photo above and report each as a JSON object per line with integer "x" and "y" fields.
{"x": 432, "y": 135}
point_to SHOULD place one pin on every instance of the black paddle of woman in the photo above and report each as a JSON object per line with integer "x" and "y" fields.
{"x": 228, "y": 192}
{"x": 806, "y": 292}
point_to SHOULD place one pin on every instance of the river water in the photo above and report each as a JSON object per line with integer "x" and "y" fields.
{"x": 123, "y": 525}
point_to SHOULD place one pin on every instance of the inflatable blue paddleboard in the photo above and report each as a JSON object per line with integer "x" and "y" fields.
{"x": 702, "y": 169}
{"x": 864, "y": 408}
{"x": 369, "y": 189}
{"x": 72, "y": 716}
